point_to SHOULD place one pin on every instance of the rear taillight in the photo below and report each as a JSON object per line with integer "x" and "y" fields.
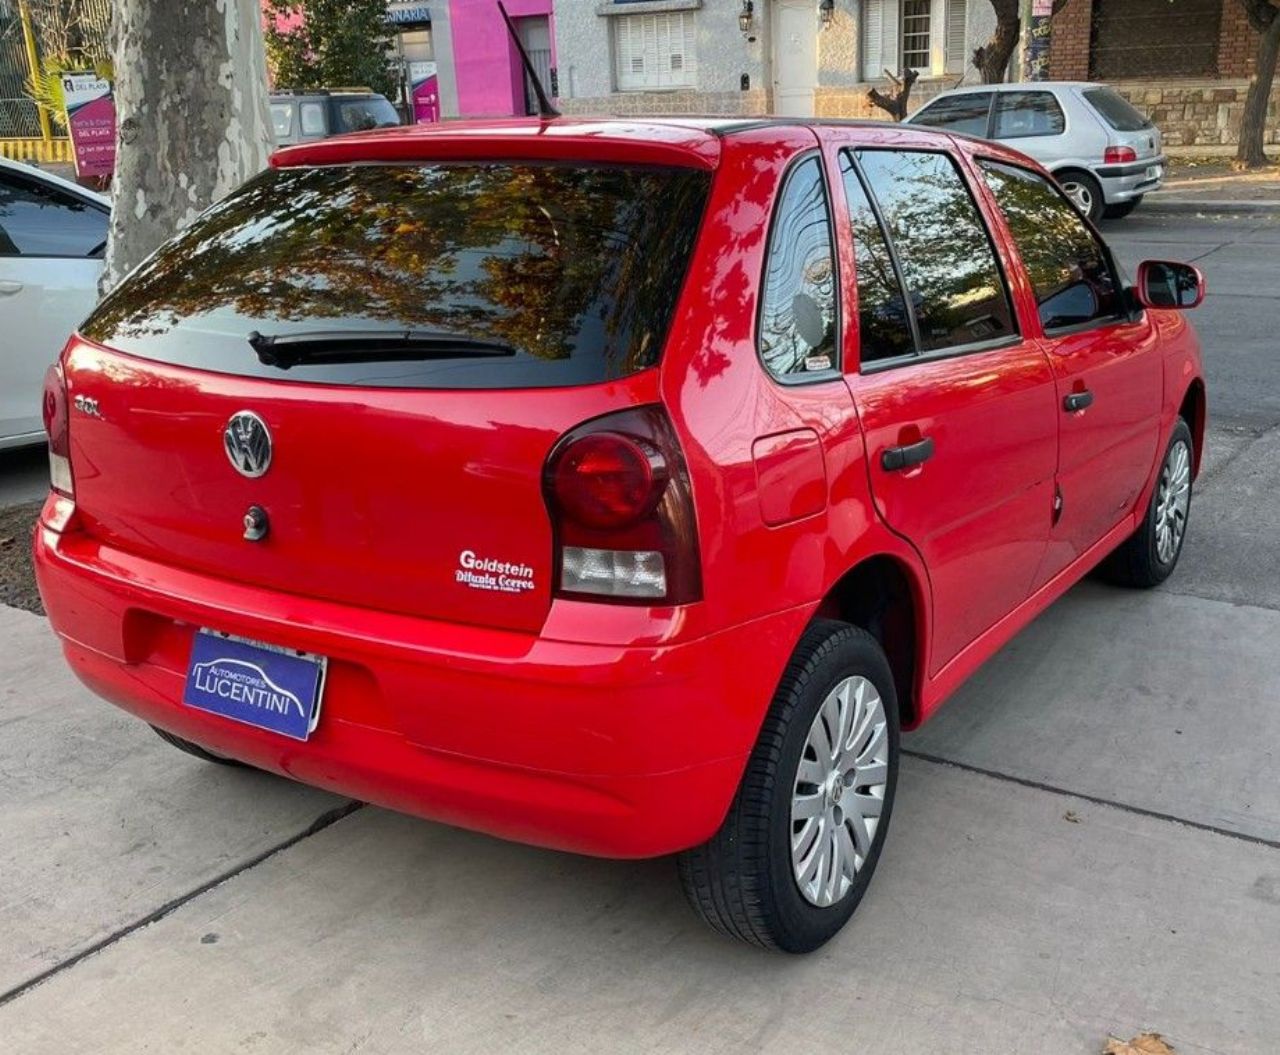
{"x": 1119, "y": 155}
{"x": 622, "y": 511}
{"x": 57, "y": 424}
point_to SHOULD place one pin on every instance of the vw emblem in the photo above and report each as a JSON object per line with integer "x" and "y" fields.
{"x": 248, "y": 443}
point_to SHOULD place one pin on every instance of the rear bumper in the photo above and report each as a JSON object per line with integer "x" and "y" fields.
{"x": 1121, "y": 183}
{"x": 599, "y": 749}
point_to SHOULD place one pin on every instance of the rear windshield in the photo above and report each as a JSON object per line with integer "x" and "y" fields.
{"x": 1116, "y": 110}
{"x": 576, "y": 269}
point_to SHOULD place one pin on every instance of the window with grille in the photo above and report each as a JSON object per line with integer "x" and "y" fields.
{"x": 654, "y": 51}
{"x": 916, "y": 16}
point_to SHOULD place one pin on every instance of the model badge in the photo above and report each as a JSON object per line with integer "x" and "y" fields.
{"x": 248, "y": 443}
{"x": 88, "y": 405}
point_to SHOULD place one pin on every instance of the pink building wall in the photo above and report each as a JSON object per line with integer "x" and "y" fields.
{"x": 486, "y": 66}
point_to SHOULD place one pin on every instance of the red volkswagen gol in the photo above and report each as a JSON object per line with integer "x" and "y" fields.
{"x": 617, "y": 487}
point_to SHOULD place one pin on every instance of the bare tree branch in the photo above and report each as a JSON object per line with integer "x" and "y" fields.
{"x": 895, "y": 104}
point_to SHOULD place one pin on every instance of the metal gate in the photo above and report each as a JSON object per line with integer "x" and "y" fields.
{"x": 1154, "y": 38}
{"x": 76, "y": 32}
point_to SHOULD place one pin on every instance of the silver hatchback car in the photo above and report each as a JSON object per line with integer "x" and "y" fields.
{"x": 1105, "y": 153}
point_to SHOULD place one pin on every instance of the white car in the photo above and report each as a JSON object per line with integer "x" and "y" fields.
{"x": 1104, "y": 152}
{"x": 53, "y": 234}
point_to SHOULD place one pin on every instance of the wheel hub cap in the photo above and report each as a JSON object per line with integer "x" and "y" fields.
{"x": 839, "y": 789}
{"x": 1173, "y": 499}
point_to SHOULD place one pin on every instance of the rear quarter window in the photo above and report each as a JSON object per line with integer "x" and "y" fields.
{"x": 577, "y": 268}
{"x": 1116, "y": 110}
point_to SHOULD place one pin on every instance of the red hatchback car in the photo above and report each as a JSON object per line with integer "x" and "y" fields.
{"x": 621, "y": 487}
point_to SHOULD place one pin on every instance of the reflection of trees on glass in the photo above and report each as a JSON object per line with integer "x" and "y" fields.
{"x": 947, "y": 260}
{"x": 884, "y": 330}
{"x": 556, "y": 261}
{"x": 1068, "y": 271}
{"x": 797, "y": 320}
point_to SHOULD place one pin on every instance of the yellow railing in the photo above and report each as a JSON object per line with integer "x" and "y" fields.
{"x": 45, "y": 151}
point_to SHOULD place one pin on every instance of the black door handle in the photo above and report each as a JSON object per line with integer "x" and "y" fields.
{"x": 1077, "y": 401}
{"x": 894, "y": 458}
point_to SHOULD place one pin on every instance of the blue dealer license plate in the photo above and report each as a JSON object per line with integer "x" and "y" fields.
{"x": 263, "y": 685}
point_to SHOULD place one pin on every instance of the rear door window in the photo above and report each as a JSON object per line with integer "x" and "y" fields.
{"x": 1020, "y": 115}
{"x": 312, "y": 119}
{"x": 949, "y": 265}
{"x": 884, "y": 327}
{"x": 282, "y": 119}
{"x": 39, "y": 220}
{"x": 966, "y": 113}
{"x": 1069, "y": 271}
{"x": 798, "y": 309}
{"x": 574, "y": 269}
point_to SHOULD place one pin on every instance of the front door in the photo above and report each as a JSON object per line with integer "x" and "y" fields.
{"x": 957, "y": 405}
{"x": 1107, "y": 365}
{"x": 795, "y": 57}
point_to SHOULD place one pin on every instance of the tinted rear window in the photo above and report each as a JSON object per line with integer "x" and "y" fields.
{"x": 577, "y": 268}
{"x": 1116, "y": 110}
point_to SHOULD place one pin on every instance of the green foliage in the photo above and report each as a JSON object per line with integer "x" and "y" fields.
{"x": 336, "y": 44}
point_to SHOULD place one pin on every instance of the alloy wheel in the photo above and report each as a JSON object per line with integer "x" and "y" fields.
{"x": 1080, "y": 195}
{"x": 839, "y": 791}
{"x": 1173, "y": 499}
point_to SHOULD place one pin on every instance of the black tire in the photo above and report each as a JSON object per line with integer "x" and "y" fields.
{"x": 742, "y": 880}
{"x": 1090, "y": 186}
{"x": 1121, "y": 209}
{"x": 1137, "y": 561}
{"x": 195, "y": 749}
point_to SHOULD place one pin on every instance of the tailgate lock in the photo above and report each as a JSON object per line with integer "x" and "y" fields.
{"x": 256, "y": 524}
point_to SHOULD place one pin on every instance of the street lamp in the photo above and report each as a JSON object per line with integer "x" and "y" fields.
{"x": 826, "y": 12}
{"x": 746, "y": 15}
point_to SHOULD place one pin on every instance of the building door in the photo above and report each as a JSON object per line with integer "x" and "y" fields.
{"x": 535, "y": 35}
{"x": 795, "y": 57}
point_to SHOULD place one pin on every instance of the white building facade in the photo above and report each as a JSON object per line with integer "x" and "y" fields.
{"x": 795, "y": 57}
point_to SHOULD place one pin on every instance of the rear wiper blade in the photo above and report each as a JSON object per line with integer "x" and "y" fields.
{"x": 319, "y": 347}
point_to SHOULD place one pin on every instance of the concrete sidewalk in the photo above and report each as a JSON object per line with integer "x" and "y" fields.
{"x": 1213, "y": 186}
{"x": 1087, "y": 842}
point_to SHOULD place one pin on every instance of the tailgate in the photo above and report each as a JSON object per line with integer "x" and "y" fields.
{"x": 409, "y": 341}
{"x": 427, "y": 503}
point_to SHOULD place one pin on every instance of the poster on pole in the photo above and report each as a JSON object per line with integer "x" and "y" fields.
{"x": 425, "y": 87}
{"x": 91, "y": 121}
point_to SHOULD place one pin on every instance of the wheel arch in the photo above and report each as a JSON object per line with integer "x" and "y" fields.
{"x": 886, "y": 596}
{"x": 1194, "y": 411}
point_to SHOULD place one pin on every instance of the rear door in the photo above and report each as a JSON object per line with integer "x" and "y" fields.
{"x": 51, "y": 242}
{"x": 1033, "y": 122}
{"x": 956, "y": 404}
{"x": 393, "y": 477}
{"x": 1106, "y": 363}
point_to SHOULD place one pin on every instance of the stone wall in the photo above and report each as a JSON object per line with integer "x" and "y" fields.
{"x": 1198, "y": 113}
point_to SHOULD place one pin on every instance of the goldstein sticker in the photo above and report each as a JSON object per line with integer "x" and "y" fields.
{"x": 485, "y": 573}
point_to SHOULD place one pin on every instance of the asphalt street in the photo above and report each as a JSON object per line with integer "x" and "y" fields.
{"x": 1086, "y": 842}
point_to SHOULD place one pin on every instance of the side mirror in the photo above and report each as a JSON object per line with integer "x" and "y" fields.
{"x": 1165, "y": 284}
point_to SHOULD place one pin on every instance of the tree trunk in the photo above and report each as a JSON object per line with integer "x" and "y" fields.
{"x": 1253, "y": 125}
{"x": 192, "y": 117}
{"x": 895, "y": 105}
{"x": 992, "y": 59}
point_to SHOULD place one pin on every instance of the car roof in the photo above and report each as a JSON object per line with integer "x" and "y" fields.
{"x": 33, "y": 172}
{"x": 1014, "y": 86}
{"x": 686, "y": 140}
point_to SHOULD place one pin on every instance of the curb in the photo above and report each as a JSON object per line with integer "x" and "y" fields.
{"x": 1218, "y": 205}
